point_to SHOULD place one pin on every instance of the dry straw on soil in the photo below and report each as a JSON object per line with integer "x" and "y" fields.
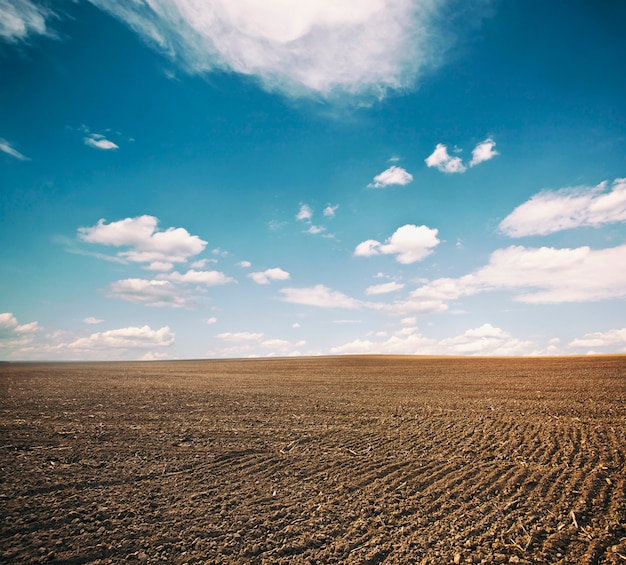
{"x": 315, "y": 460}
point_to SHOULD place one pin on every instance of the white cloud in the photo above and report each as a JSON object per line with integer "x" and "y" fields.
{"x": 208, "y": 278}
{"x": 159, "y": 266}
{"x": 383, "y": 288}
{"x": 125, "y": 338}
{"x": 295, "y": 325}
{"x": 484, "y": 151}
{"x": 245, "y": 264}
{"x": 21, "y": 18}
{"x": 98, "y": 141}
{"x": 147, "y": 245}
{"x": 543, "y": 275}
{"x": 305, "y": 213}
{"x": 283, "y": 347}
{"x": 92, "y": 321}
{"x": 568, "y": 208}
{"x": 240, "y": 336}
{"x": 265, "y": 277}
{"x": 5, "y": 146}
{"x": 410, "y": 243}
{"x": 310, "y": 47}
{"x": 321, "y": 296}
{"x": 13, "y": 335}
{"x": 393, "y": 175}
{"x": 445, "y": 162}
{"x": 316, "y": 230}
{"x": 212, "y": 320}
{"x": 330, "y": 210}
{"x": 149, "y": 292}
{"x": 485, "y": 340}
{"x": 602, "y": 339}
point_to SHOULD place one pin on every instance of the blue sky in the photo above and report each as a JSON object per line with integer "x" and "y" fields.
{"x": 314, "y": 177}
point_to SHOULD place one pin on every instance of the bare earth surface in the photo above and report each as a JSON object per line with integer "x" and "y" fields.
{"x": 315, "y": 460}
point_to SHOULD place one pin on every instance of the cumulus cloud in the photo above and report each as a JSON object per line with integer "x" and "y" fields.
{"x": 98, "y": 141}
{"x": 305, "y": 213}
{"x": 212, "y": 320}
{"x": 321, "y": 296}
{"x": 568, "y": 208}
{"x": 314, "y": 230}
{"x": 484, "y": 151}
{"x": 410, "y": 243}
{"x": 443, "y": 161}
{"x": 602, "y": 339}
{"x": 147, "y": 245}
{"x": 149, "y": 292}
{"x": 92, "y": 321}
{"x": 13, "y": 334}
{"x": 245, "y": 264}
{"x": 21, "y": 18}
{"x": 330, "y": 210}
{"x": 543, "y": 275}
{"x": 446, "y": 163}
{"x": 384, "y": 288}
{"x": 311, "y": 47}
{"x": 5, "y": 146}
{"x": 393, "y": 175}
{"x": 265, "y": 277}
{"x": 125, "y": 338}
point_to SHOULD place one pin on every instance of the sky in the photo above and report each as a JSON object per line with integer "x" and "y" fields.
{"x": 183, "y": 180}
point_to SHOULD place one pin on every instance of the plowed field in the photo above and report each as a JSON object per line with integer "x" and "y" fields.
{"x": 315, "y": 460}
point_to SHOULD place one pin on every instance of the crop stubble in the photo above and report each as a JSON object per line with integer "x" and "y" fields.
{"x": 367, "y": 459}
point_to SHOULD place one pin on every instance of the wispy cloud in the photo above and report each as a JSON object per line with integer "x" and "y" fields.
{"x": 269, "y": 275}
{"x": 92, "y": 321}
{"x": 98, "y": 141}
{"x": 392, "y": 176}
{"x": 568, "y": 208}
{"x": 409, "y": 243}
{"x": 22, "y": 18}
{"x": 383, "y": 288}
{"x": 320, "y": 296}
{"x": 6, "y": 147}
{"x": 311, "y": 47}
{"x": 240, "y": 336}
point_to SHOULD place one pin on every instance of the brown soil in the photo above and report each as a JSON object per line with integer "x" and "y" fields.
{"x": 315, "y": 460}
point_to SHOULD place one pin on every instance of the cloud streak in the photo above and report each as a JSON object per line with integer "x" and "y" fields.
{"x": 6, "y": 147}
{"x": 568, "y": 208}
{"x": 20, "y": 19}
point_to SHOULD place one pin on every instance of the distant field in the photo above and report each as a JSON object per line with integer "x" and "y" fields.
{"x": 315, "y": 460}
